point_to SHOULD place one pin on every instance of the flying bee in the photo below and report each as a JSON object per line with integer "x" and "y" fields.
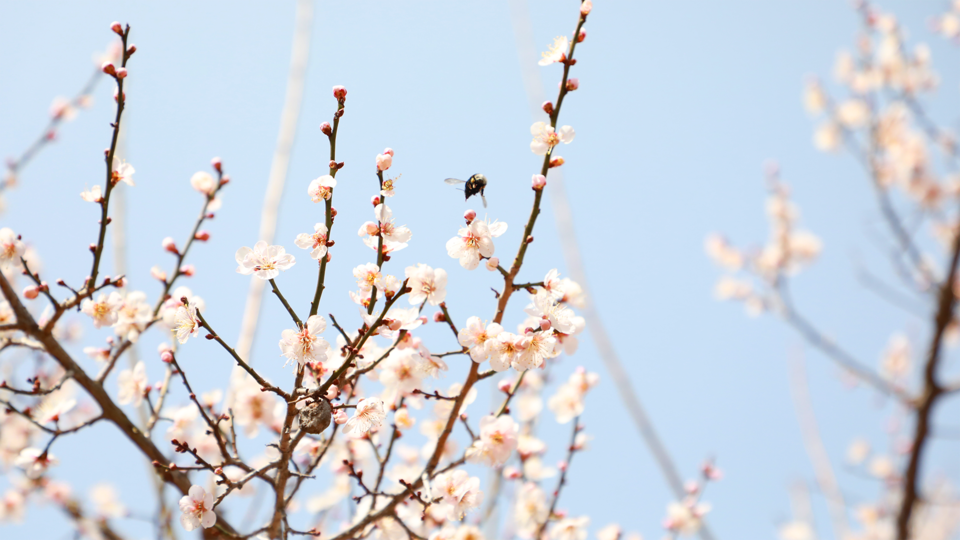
{"x": 476, "y": 184}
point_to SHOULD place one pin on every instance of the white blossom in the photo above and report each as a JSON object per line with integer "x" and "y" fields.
{"x": 263, "y": 261}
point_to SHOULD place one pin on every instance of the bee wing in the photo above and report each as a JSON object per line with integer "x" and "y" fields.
{"x": 484, "y": 200}
{"x": 454, "y": 181}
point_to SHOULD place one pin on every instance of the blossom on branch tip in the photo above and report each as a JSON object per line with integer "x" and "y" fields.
{"x": 498, "y": 439}
{"x": 475, "y": 241}
{"x": 104, "y": 309}
{"x": 557, "y": 51}
{"x": 321, "y": 188}
{"x": 197, "y": 508}
{"x": 394, "y": 238}
{"x": 264, "y": 261}
{"x": 305, "y": 345}
{"x": 93, "y": 194}
{"x": 186, "y": 323}
{"x": 316, "y": 242}
{"x": 121, "y": 172}
{"x": 35, "y": 462}
{"x": 11, "y": 249}
{"x": 204, "y": 183}
{"x": 475, "y": 335}
{"x": 426, "y": 284}
{"x": 546, "y": 137}
{"x": 369, "y": 415}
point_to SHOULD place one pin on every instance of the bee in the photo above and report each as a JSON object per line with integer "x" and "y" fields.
{"x": 476, "y": 184}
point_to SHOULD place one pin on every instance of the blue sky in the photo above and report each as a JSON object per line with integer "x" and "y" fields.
{"x": 679, "y": 107}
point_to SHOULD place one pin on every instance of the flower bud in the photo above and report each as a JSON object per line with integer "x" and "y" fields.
{"x": 556, "y": 162}
{"x": 545, "y": 324}
{"x": 340, "y": 417}
{"x": 585, "y": 7}
{"x": 332, "y": 392}
{"x": 375, "y": 200}
{"x": 157, "y": 273}
{"x": 547, "y": 107}
{"x": 332, "y": 164}
{"x": 131, "y": 49}
{"x": 108, "y": 68}
{"x": 169, "y": 245}
{"x": 492, "y": 264}
{"x": 202, "y": 236}
{"x": 31, "y": 292}
{"x": 469, "y": 215}
{"x": 530, "y": 239}
{"x": 384, "y": 161}
{"x": 340, "y": 93}
{"x": 326, "y": 129}
{"x": 423, "y": 320}
{"x": 217, "y": 164}
{"x": 388, "y": 151}
{"x": 166, "y": 356}
{"x": 539, "y": 181}
{"x": 562, "y": 465}
{"x": 439, "y": 317}
{"x": 573, "y": 84}
{"x": 505, "y": 385}
{"x": 394, "y": 325}
{"x": 187, "y": 270}
{"x": 122, "y": 73}
{"x": 581, "y": 36}
{"x": 329, "y": 257}
{"x": 115, "y": 26}
{"x": 333, "y": 212}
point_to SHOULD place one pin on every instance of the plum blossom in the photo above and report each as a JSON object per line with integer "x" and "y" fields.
{"x": 534, "y": 348}
{"x": 251, "y": 406}
{"x": 197, "y": 508}
{"x": 546, "y": 137}
{"x": 459, "y": 493}
{"x": 11, "y": 249}
{"x": 35, "y": 462}
{"x": 557, "y": 51}
{"x": 570, "y": 528}
{"x": 567, "y": 403}
{"x": 186, "y": 323}
{"x": 133, "y": 317}
{"x": 546, "y": 306}
{"x": 475, "y": 336}
{"x": 305, "y": 345}
{"x": 132, "y": 383}
{"x": 204, "y": 183}
{"x": 498, "y": 439}
{"x": 426, "y": 284}
{"x": 316, "y": 242}
{"x": 369, "y": 415}
{"x": 530, "y": 509}
{"x": 394, "y": 238}
{"x": 94, "y": 194}
{"x": 322, "y": 188}
{"x": 685, "y": 518}
{"x": 368, "y": 276}
{"x": 122, "y": 172}
{"x": 503, "y": 350}
{"x": 475, "y": 241}
{"x": 168, "y": 311}
{"x": 104, "y": 310}
{"x": 12, "y": 506}
{"x": 263, "y": 261}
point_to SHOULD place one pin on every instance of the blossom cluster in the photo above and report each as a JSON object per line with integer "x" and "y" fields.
{"x": 364, "y": 395}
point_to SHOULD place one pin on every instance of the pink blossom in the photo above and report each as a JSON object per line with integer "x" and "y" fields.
{"x": 197, "y": 508}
